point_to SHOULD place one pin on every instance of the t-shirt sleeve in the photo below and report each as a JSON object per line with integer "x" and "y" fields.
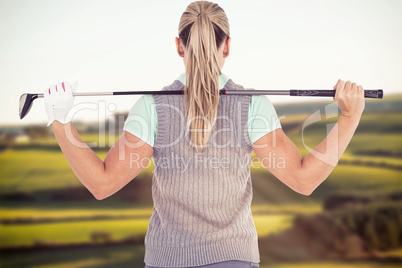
{"x": 262, "y": 117}
{"x": 142, "y": 120}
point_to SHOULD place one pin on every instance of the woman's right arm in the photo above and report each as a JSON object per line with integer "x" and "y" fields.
{"x": 124, "y": 161}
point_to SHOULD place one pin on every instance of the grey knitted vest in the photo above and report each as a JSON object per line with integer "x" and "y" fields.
{"x": 201, "y": 211}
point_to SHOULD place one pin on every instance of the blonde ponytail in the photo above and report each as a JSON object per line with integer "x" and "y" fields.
{"x": 203, "y": 28}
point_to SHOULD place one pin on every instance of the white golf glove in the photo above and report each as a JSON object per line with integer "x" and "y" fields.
{"x": 59, "y": 100}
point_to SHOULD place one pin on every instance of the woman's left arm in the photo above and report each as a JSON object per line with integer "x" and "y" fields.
{"x": 303, "y": 175}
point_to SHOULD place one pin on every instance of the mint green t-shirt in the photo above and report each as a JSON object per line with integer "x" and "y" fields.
{"x": 142, "y": 119}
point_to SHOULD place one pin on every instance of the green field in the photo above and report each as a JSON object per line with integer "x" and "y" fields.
{"x": 361, "y": 144}
{"x": 393, "y": 161}
{"x": 334, "y": 265}
{"x": 32, "y": 170}
{"x": 80, "y": 231}
{"x": 108, "y": 256}
{"x": 372, "y": 165}
{"x": 132, "y": 257}
{"x": 69, "y": 232}
{"x": 375, "y": 132}
{"x": 69, "y": 212}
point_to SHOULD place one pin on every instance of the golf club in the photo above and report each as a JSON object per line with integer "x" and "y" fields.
{"x": 26, "y": 100}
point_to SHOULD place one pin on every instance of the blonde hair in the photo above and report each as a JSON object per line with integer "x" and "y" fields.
{"x": 203, "y": 28}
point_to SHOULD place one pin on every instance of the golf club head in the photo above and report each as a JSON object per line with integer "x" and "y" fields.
{"x": 26, "y": 101}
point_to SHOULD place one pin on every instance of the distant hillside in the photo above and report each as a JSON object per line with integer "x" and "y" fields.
{"x": 390, "y": 103}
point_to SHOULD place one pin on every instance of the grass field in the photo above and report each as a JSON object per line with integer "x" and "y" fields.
{"x": 365, "y": 178}
{"x": 359, "y": 180}
{"x": 94, "y": 140}
{"x": 32, "y": 170}
{"x": 333, "y": 265}
{"x": 132, "y": 257}
{"x": 50, "y": 169}
{"x": 375, "y": 132}
{"x": 395, "y": 161}
{"x": 104, "y": 257}
{"x": 66, "y": 211}
{"x": 70, "y": 232}
{"x": 78, "y": 232}
{"x": 360, "y": 144}
{"x": 39, "y": 171}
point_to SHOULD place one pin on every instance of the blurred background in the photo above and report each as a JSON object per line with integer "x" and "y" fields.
{"x": 49, "y": 219}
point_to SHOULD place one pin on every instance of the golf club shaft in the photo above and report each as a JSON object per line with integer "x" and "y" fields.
{"x": 368, "y": 93}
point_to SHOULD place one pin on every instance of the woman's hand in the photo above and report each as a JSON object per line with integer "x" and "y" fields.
{"x": 350, "y": 98}
{"x": 59, "y": 100}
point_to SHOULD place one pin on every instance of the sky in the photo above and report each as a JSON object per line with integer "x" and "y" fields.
{"x": 129, "y": 45}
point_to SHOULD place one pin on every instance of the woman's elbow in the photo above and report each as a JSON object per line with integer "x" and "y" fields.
{"x": 100, "y": 190}
{"x": 99, "y": 195}
{"x": 306, "y": 187}
{"x": 306, "y": 192}
{"x": 103, "y": 191}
